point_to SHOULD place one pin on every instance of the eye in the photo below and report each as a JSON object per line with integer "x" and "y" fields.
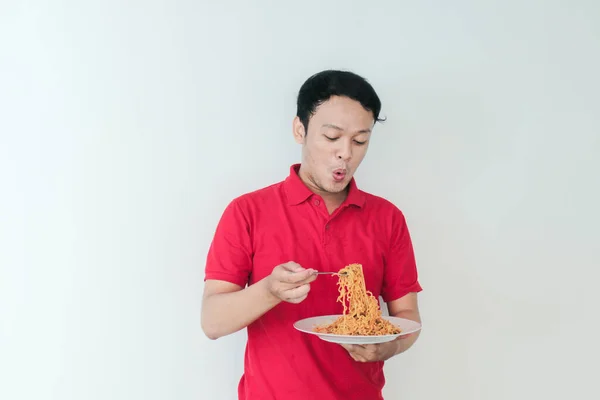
{"x": 359, "y": 143}
{"x": 331, "y": 139}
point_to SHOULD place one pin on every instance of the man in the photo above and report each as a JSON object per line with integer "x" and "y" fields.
{"x": 268, "y": 245}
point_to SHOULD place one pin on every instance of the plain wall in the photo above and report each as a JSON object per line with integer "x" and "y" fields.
{"x": 126, "y": 128}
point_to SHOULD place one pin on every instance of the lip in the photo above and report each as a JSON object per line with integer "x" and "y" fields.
{"x": 339, "y": 174}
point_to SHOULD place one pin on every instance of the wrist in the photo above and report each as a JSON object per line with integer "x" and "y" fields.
{"x": 267, "y": 295}
{"x": 404, "y": 343}
{"x": 399, "y": 346}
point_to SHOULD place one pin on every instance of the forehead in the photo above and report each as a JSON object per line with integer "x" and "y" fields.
{"x": 343, "y": 112}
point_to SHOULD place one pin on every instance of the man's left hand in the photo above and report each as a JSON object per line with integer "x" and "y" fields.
{"x": 375, "y": 352}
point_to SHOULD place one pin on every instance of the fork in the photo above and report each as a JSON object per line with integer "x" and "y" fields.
{"x": 332, "y": 273}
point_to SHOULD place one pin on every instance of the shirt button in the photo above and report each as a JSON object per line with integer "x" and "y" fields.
{"x": 317, "y": 202}
{"x": 327, "y": 226}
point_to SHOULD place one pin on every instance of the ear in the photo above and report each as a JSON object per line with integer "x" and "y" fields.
{"x": 298, "y": 130}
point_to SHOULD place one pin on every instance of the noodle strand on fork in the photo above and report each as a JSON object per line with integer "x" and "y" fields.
{"x": 361, "y": 312}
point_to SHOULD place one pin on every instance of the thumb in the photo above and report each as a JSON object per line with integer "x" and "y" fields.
{"x": 293, "y": 267}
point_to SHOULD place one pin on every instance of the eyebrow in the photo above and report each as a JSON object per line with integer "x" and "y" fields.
{"x": 340, "y": 129}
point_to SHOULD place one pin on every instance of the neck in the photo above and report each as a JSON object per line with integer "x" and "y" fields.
{"x": 333, "y": 200}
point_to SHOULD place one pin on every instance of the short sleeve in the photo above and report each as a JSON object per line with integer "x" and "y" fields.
{"x": 230, "y": 253}
{"x": 400, "y": 274}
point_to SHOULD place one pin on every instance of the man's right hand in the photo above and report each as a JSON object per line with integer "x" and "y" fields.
{"x": 290, "y": 282}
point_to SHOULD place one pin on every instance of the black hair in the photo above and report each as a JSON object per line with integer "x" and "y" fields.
{"x": 321, "y": 86}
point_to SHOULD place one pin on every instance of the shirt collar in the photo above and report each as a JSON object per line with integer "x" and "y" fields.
{"x": 297, "y": 192}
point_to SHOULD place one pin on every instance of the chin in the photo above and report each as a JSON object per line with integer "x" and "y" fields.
{"x": 337, "y": 187}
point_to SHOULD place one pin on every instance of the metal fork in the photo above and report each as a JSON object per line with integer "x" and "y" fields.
{"x": 332, "y": 273}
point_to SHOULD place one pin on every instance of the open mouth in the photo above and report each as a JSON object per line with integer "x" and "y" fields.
{"x": 339, "y": 174}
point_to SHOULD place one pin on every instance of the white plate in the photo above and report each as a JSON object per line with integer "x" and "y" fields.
{"x": 307, "y": 325}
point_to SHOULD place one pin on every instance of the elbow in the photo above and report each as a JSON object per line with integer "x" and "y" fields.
{"x": 208, "y": 324}
{"x": 212, "y": 334}
{"x": 214, "y": 331}
{"x": 210, "y": 331}
{"x": 211, "y": 328}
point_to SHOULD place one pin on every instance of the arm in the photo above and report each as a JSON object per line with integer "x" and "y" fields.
{"x": 227, "y": 308}
{"x": 405, "y": 307}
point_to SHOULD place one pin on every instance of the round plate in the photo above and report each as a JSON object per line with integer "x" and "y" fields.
{"x": 307, "y": 325}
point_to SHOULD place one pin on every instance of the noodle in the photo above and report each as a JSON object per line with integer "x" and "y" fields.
{"x": 361, "y": 315}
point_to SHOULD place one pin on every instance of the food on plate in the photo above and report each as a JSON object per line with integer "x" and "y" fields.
{"x": 362, "y": 315}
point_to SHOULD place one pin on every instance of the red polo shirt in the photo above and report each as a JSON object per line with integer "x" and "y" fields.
{"x": 287, "y": 222}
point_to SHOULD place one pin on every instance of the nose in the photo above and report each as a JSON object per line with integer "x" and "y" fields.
{"x": 345, "y": 151}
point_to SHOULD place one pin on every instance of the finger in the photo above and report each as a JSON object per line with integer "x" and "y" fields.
{"x": 357, "y": 356}
{"x": 292, "y": 266}
{"x": 298, "y": 300}
{"x": 311, "y": 278}
{"x": 297, "y": 277}
{"x": 354, "y": 350}
{"x": 348, "y": 347}
{"x": 371, "y": 352}
{"x": 296, "y": 293}
{"x": 297, "y": 268}
{"x": 408, "y": 335}
{"x": 287, "y": 291}
{"x": 364, "y": 353}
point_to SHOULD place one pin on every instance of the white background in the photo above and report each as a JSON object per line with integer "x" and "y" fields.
{"x": 127, "y": 126}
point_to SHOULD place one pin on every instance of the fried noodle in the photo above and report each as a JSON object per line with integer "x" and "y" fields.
{"x": 361, "y": 315}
